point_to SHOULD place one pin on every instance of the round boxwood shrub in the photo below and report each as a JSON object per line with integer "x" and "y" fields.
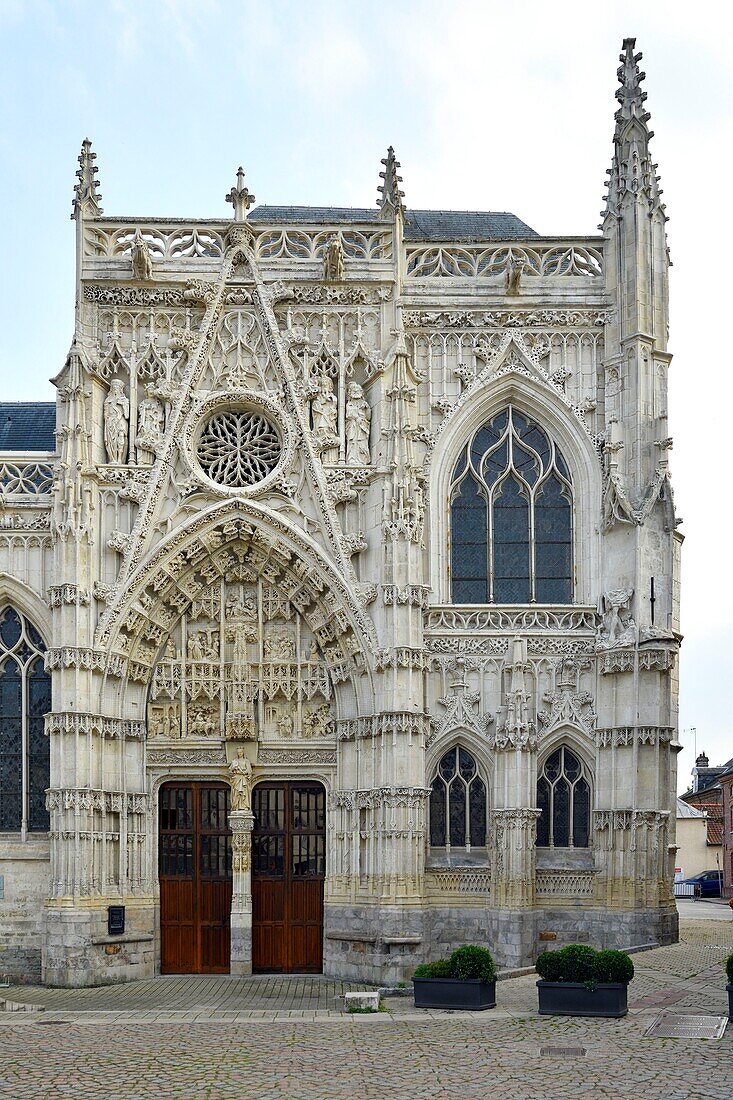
{"x": 613, "y": 966}
{"x": 441, "y": 968}
{"x": 729, "y": 969}
{"x": 578, "y": 963}
{"x": 473, "y": 962}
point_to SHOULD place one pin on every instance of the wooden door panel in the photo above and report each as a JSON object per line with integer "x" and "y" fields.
{"x": 288, "y": 869}
{"x": 195, "y": 878}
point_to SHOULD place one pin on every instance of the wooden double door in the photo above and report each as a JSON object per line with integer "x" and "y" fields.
{"x": 288, "y": 871}
{"x": 195, "y": 869}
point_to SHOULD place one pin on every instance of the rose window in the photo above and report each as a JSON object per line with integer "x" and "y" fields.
{"x": 238, "y": 448}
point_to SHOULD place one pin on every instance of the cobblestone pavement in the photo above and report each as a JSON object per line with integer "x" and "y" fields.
{"x": 211, "y": 1049}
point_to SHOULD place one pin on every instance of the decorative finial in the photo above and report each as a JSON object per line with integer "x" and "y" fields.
{"x": 391, "y": 201}
{"x": 87, "y": 199}
{"x": 630, "y": 95}
{"x": 240, "y": 198}
{"x": 632, "y": 171}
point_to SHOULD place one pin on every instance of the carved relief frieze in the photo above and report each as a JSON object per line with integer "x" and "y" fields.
{"x": 620, "y": 736}
{"x": 310, "y": 756}
{"x": 61, "y": 594}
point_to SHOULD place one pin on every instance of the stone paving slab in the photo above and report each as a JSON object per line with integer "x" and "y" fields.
{"x": 192, "y": 1038}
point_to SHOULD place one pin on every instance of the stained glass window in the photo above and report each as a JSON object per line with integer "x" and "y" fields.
{"x": 563, "y": 798}
{"x": 511, "y": 516}
{"x": 25, "y": 696}
{"x": 457, "y": 803}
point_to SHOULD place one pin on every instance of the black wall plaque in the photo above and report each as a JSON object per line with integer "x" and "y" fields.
{"x": 115, "y": 920}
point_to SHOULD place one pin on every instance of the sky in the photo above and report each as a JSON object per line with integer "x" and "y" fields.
{"x": 490, "y": 106}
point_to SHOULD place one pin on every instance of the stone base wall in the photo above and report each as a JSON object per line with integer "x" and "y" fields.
{"x": 385, "y": 945}
{"x": 373, "y": 943}
{"x": 25, "y": 874}
{"x": 78, "y": 952}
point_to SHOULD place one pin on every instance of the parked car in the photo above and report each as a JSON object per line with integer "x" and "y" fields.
{"x": 709, "y": 883}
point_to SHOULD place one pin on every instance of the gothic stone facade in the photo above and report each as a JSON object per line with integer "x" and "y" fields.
{"x": 371, "y": 499}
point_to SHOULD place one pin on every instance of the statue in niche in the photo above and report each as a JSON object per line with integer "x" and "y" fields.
{"x": 285, "y": 726}
{"x": 358, "y": 420}
{"x": 194, "y": 650}
{"x": 618, "y": 627}
{"x": 325, "y": 414}
{"x": 334, "y": 260}
{"x": 156, "y": 723}
{"x": 142, "y": 265}
{"x": 313, "y": 653}
{"x": 280, "y": 646}
{"x": 173, "y": 724}
{"x": 150, "y": 423}
{"x": 318, "y": 724}
{"x": 116, "y": 422}
{"x": 240, "y": 771}
{"x": 171, "y": 653}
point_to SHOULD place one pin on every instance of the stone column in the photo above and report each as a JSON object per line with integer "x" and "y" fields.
{"x": 241, "y": 822}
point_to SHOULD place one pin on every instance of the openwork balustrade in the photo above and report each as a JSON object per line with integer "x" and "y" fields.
{"x": 479, "y": 262}
{"x": 25, "y": 479}
{"x": 564, "y": 884}
{"x": 459, "y": 880}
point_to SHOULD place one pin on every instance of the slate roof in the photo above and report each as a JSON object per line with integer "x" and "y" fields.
{"x": 27, "y": 426}
{"x": 420, "y": 225}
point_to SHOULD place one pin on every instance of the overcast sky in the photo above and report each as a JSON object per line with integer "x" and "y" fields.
{"x": 490, "y": 106}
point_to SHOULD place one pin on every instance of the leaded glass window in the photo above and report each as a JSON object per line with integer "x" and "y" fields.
{"x": 511, "y": 516}
{"x": 458, "y": 803}
{"x": 25, "y": 696}
{"x": 563, "y": 797}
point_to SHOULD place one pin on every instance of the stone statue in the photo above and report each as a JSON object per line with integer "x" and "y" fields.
{"x": 240, "y": 771}
{"x": 285, "y": 726}
{"x": 142, "y": 265}
{"x": 325, "y": 414}
{"x": 116, "y": 422}
{"x": 358, "y": 420}
{"x": 150, "y": 423}
{"x": 333, "y": 260}
{"x": 514, "y": 276}
{"x": 174, "y": 724}
{"x": 618, "y": 627}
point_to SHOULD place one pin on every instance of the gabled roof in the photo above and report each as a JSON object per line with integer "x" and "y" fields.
{"x": 420, "y": 225}
{"x": 685, "y": 810}
{"x": 27, "y": 426}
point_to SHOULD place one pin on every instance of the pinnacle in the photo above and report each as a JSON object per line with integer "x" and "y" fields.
{"x": 87, "y": 196}
{"x": 240, "y": 197}
{"x": 390, "y": 202}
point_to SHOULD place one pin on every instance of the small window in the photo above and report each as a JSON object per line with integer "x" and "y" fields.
{"x": 458, "y": 801}
{"x": 563, "y": 797}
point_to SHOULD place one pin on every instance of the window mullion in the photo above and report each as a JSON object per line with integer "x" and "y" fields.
{"x": 532, "y": 553}
{"x": 24, "y": 748}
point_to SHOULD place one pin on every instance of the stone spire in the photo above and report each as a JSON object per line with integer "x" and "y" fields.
{"x": 87, "y": 199}
{"x": 240, "y": 197}
{"x": 391, "y": 201}
{"x": 632, "y": 174}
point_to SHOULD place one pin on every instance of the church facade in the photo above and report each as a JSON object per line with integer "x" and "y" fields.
{"x": 339, "y": 592}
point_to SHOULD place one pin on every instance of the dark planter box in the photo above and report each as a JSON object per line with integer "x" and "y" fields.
{"x": 574, "y": 999}
{"x": 454, "y": 993}
{"x": 730, "y": 1001}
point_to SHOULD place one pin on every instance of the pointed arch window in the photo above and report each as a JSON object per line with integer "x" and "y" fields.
{"x": 563, "y": 797}
{"x": 511, "y": 506}
{"x": 25, "y": 696}
{"x": 458, "y": 802}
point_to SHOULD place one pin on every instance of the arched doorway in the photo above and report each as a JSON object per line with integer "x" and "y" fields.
{"x": 288, "y": 872}
{"x": 195, "y": 872}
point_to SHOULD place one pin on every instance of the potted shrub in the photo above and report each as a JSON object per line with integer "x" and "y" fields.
{"x": 467, "y": 980}
{"x": 729, "y": 987}
{"x": 579, "y": 981}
